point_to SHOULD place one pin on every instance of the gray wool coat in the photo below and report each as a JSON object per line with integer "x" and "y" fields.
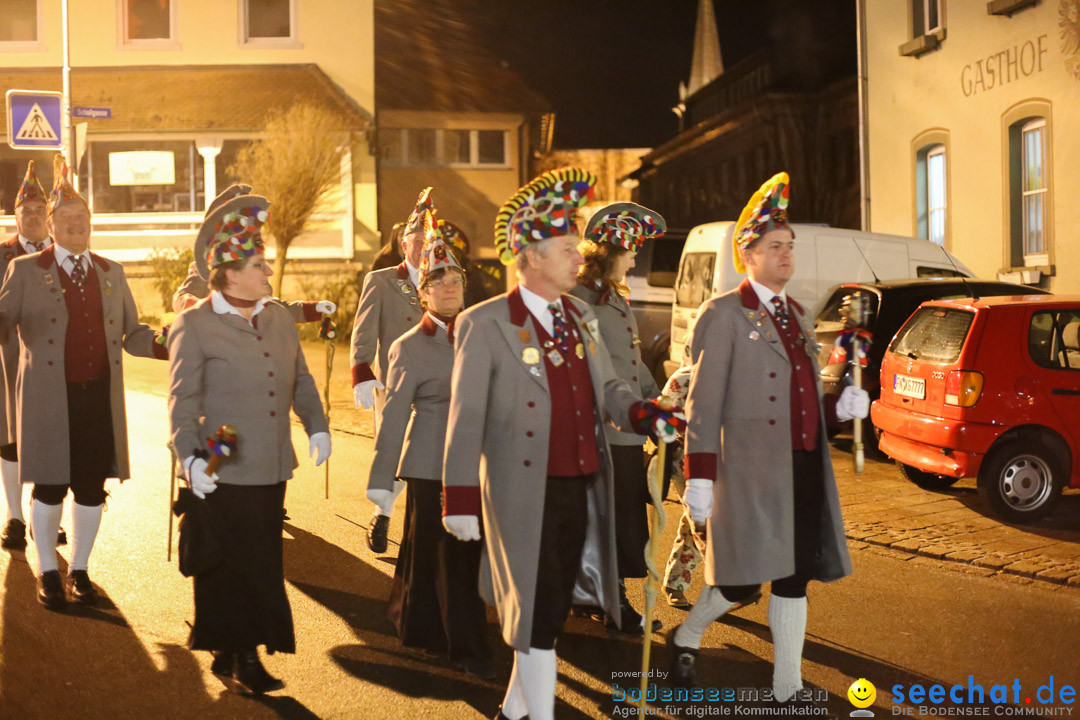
{"x": 413, "y": 429}
{"x": 619, "y": 328}
{"x": 739, "y": 409}
{"x": 497, "y": 448}
{"x": 223, "y": 370}
{"x": 9, "y": 351}
{"x": 32, "y": 302}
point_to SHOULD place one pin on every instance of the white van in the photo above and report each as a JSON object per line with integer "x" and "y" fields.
{"x": 824, "y": 256}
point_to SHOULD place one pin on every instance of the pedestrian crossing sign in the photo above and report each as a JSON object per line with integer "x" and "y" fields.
{"x": 34, "y": 120}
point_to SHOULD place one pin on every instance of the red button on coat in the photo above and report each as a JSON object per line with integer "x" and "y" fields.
{"x": 772, "y": 422}
{"x": 272, "y": 413}
{"x": 258, "y": 337}
{"x": 271, "y": 373}
{"x": 266, "y": 354}
{"x": 772, "y": 375}
{"x": 271, "y": 393}
{"x": 529, "y": 433}
{"x": 772, "y": 398}
{"x": 527, "y": 463}
{"x": 532, "y": 404}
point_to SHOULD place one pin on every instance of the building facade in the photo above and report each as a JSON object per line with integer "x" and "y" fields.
{"x": 971, "y": 120}
{"x": 179, "y": 88}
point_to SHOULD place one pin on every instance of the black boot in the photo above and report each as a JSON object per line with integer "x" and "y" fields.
{"x": 224, "y": 664}
{"x": 252, "y": 677}
{"x": 51, "y": 590}
{"x": 376, "y": 533}
{"x": 82, "y": 590}
{"x": 683, "y": 663}
{"x": 14, "y": 537}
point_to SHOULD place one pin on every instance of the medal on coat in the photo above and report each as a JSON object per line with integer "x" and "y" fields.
{"x": 535, "y": 370}
{"x": 526, "y": 337}
{"x": 637, "y": 339}
{"x": 755, "y": 335}
{"x": 548, "y": 344}
{"x": 579, "y": 350}
{"x": 555, "y": 357}
{"x": 108, "y": 288}
{"x": 48, "y": 278}
{"x": 405, "y": 288}
{"x": 530, "y": 355}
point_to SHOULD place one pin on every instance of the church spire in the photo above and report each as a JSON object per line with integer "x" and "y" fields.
{"x": 707, "y": 65}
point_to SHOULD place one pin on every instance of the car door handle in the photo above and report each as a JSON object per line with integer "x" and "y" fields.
{"x": 1064, "y": 391}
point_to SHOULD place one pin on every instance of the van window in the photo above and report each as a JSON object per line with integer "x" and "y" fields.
{"x": 695, "y": 279}
{"x": 933, "y": 334}
{"x": 1054, "y": 339}
{"x": 665, "y": 262}
{"x": 924, "y": 271}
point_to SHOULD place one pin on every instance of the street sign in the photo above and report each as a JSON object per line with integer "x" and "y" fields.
{"x": 34, "y": 119}
{"x": 91, "y": 112}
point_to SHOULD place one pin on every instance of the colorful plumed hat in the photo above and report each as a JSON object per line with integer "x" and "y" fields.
{"x": 424, "y": 203}
{"x": 452, "y": 235}
{"x": 233, "y": 231}
{"x": 767, "y": 210}
{"x": 63, "y": 192}
{"x": 30, "y": 189}
{"x": 545, "y": 208}
{"x": 625, "y": 224}
{"x": 437, "y": 253}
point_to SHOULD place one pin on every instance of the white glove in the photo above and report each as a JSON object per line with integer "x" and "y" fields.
{"x": 667, "y": 432}
{"x": 200, "y": 483}
{"x": 853, "y": 403}
{"x": 325, "y": 307}
{"x": 320, "y": 442}
{"x": 384, "y": 499}
{"x": 364, "y": 393}
{"x": 699, "y": 499}
{"x": 464, "y": 527}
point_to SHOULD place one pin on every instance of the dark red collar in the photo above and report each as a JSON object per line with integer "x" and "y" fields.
{"x": 237, "y": 302}
{"x": 519, "y": 313}
{"x": 430, "y": 327}
{"x": 750, "y": 299}
{"x": 14, "y": 243}
{"x": 403, "y": 271}
{"x": 47, "y": 257}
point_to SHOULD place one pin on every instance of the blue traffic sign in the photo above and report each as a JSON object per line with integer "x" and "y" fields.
{"x": 34, "y": 120}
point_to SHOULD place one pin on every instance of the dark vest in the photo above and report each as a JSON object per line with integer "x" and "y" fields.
{"x": 572, "y": 448}
{"x": 86, "y": 357}
{"x": 804, "y": 397}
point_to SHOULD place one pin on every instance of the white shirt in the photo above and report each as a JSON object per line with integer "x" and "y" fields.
{"x": 223, "y": 307}
{"x": 538, "y": 306}
{"x": 414, "y": 274}
{"x": 766, "y": 295}
{"x": 66, "y": 265}
{"x": 437, "y": 321}
{"x": 30, "y": 248}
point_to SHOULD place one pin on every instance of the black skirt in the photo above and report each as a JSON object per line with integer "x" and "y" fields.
{"x": 241, "y": 603}
{"x": 631, "y": 509}
{"x": 435, "y": 601}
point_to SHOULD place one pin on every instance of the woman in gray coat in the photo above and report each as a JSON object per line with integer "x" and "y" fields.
{"x": 613, "y": 236}
{"x": 235, "y": 359}
{"x": 434, "y": 601}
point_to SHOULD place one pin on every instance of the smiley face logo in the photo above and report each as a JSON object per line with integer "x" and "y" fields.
{"x": 862, "y": 693}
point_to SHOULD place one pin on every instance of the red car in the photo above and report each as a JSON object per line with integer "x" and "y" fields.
{"x": 987, "y": 388}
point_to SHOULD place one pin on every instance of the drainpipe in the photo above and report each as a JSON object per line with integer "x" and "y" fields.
{"x": 864, "y": 149}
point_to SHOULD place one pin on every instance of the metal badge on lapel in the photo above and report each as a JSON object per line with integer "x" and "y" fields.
{"x": 530, "y": 355}
{"x": 525, "y": 336}
{"x": 556, "y": 358}
{"x": 405, "y": 287}
{"x": 108, "y": 287}
{"x": 579, "y": 350}
{"x": 754, "y": 335}
{"x": 535, "y": 370}
{"x": 637, "y": 340}
{"x": 48, "y": 278}
{"x": 548, "y": 344}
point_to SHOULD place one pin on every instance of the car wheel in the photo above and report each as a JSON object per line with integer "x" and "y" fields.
{"x": 1022, "y": 479}
{"x": 925, "y": 480}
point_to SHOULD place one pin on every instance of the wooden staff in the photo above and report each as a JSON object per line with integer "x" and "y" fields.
{"x": 659, "y": 519}
{"x": 856, "y": 376}
{"x": 172, "y": 497}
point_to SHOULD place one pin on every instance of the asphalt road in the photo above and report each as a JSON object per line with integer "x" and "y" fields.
{"x": 899, "y": 618}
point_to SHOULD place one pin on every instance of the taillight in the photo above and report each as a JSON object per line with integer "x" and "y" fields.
{"x": 963, "y": 388}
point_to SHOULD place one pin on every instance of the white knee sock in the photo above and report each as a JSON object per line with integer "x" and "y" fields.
{"x": 46, "y": 522}
{"x": 513, "y": 704}
{"x": 710, "y": 606}
{"x": 536, "y": 674}
{"x": 787, "y": 620}
{"x": 12, "y": 489}
{"x": 85, "y": 521}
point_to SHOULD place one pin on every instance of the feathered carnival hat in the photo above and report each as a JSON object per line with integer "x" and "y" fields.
{"x": 545, "y": 208}
{"x": 767, "y": 210}
{"x": 30, "y": 189}
{"x": 63, "y": 192}
{"x": 232, "y": 231}
{"x": 437, "y": 253}
{"x": 424, "y": 204}
{"x": 625, "y": 224}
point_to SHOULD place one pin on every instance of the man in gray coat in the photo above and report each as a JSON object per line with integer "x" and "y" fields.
{"x": 32, "y": 237}
{"x": 389, "y": 306}
{"x": 533, "y": 386}
{"x": 757, "y": 458}
{"x": 74, "y": 313}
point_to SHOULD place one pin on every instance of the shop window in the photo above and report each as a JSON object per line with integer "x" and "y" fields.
{"x": 425, "y": 147}
{"x": 144, "y": 177}
{"x": 146, "y": 21}
{"x": 19, "y": 21}
{"x": 268, "y": 20}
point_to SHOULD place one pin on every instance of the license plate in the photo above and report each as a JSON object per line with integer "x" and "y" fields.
{"x": 909, "y": 386}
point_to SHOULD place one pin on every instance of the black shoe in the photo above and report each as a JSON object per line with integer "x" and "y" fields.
{"x": 224, "y": 664}
{"x": 61, "y": 537}
{"x": 482, "y": 668}
{"x": 632, "y": 621}
{"x": 82, "y": 590}
{"x": 285, "y": 514}
{"x": 683, "y": 663}
{"x": 252, "y": 677}
{"x": 376, "y": 532}
{"x": 589, "y": 612}
{"x": 51, "y": 590}
{"x": 14, "y": 537}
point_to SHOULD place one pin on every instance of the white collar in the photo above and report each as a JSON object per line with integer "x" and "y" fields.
{"x": 62, "y": 254}
{"x": 414, "y": 274}
{"x": 30, "y": 248}
{"x": 437, "y": 321}
{"x": 766, "y": 295}
{"x": 223, "y": 307}
{"x": 538, "y": 306}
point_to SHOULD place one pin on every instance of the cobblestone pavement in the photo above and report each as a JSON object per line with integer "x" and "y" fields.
{"x": 881, "y": 508}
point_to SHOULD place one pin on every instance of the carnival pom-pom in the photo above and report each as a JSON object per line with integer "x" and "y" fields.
{"x": 162, "y": 336}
